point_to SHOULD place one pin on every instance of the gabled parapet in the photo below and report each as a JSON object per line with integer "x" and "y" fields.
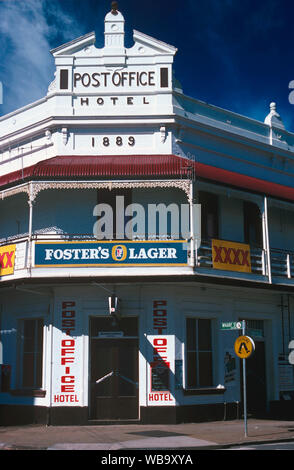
{"x": 84, "y": 69}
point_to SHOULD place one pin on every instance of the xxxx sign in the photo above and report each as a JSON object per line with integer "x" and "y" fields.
{"x": 7, "y": 258}
{"x": 231, "y": 256}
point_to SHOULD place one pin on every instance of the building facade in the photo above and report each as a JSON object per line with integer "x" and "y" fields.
{"x": 139, "y": 225}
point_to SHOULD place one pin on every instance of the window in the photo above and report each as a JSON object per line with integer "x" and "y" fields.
{"x": 107, "y": 221}
{"x": 199, "y": 353}
{"x": 31, "y": 350}
{"x": 209, "y": 215}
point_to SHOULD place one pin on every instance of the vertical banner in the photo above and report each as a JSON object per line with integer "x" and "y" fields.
{"x": 67, "y": 357}
{"x": 161, "y": 357}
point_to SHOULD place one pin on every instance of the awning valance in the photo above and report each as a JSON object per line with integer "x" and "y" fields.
{"x": 100, "y": 166}
{"x": 140, "y": 166}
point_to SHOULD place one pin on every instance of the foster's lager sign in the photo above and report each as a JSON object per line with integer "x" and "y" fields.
{"x": 106, "y": 253}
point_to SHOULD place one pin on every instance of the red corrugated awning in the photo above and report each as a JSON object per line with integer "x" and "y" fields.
{"x": 238, "y": 180}
{"x": 101, "y": 166}
{"x": 141, "y": 166}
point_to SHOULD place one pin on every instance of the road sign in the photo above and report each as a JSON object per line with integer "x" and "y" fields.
{"x": 244, "y": 346}
{"x": 231, "y": 325}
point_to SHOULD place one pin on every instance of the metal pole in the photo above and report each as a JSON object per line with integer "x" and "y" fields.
{"x": 30, "y": 237}
{"x": 267, "y": 241}
{"x": 192, "y": 242}
{"x": 244, "y": 385}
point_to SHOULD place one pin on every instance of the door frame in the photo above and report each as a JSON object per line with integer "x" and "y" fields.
{"x": 123, "y": 338}
{"x": 265, "y": 338}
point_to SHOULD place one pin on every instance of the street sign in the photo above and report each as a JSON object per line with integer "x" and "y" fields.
{"x": 244, "y": 346}
{"x": 231, "y": 325}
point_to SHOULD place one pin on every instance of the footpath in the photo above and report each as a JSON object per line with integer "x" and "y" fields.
{"x": 207, "y": 436}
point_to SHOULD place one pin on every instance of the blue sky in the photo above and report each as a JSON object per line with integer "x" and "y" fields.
{"x": 236, "y": 54}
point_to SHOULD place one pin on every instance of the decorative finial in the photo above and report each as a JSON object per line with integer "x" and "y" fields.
{"x": 114, "y": 7}
{"x": 273, "y": 119}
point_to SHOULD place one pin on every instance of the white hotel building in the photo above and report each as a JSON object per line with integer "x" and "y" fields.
{"x": 115, "y": 122}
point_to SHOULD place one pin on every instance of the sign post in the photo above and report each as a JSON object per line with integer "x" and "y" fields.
{"x": 244, "y": 347}
{"x": 244, "y": 385}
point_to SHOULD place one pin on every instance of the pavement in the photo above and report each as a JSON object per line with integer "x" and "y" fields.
{"x": 176, "y": 437}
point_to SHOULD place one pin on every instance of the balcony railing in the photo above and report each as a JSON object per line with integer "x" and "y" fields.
{"x": 204, "y": 258}
{"x": 281, "y": 261}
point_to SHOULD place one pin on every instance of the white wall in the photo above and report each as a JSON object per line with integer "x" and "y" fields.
{"x": 216, "y": 303}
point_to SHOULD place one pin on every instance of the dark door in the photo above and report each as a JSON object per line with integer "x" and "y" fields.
{"x": 209, "y": 215}
{"x": 252, "y": 224}
{"x": 114, "y": 371}
{"x": 256, "y": 381}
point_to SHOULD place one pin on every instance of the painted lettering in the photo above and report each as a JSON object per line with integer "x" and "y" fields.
{"x": 6, "y": 259}
{"x": 233, "y": 256}
{"x": 117, "y": 79}
{"x": 67, "y": 351}
{"x": 160, "y": 365}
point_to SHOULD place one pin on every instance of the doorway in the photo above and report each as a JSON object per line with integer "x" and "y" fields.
{"x": 256, "y": 372}
{"x": 256, "y": 381}
{"x": 114, "y": 369}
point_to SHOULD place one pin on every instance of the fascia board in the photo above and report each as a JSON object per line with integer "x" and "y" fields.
{"x": 153, "y": 43}
{"x": 232, "y": 133}
{"x": 258, "y": 131}
{"x": 76, "y": 44}
{"x": 51, "y": 122}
